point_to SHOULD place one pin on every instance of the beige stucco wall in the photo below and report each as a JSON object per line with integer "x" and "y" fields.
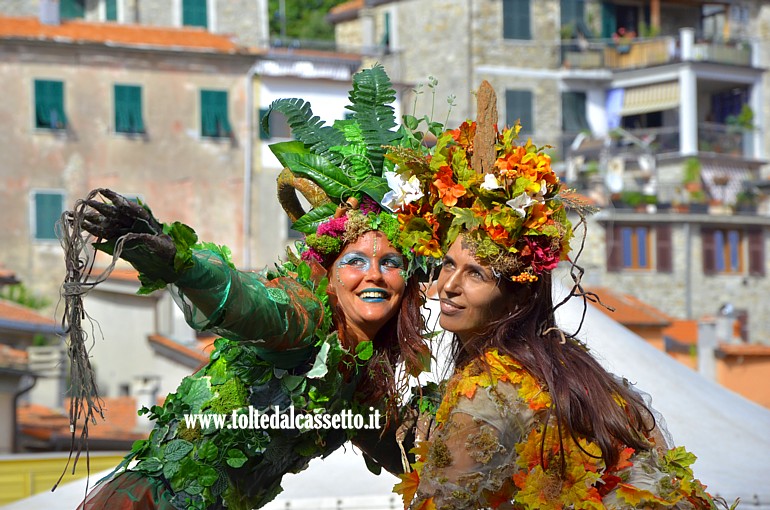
{"x": 181, "y": 175}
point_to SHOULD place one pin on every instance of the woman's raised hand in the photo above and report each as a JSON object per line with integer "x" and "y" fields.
{"x": 145, "y": 245}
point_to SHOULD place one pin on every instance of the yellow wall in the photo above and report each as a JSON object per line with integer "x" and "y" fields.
{"x": 24, "y": 475}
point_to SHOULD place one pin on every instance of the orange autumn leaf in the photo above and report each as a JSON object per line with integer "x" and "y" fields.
{"x": 427, "y": 504}
{"x": 407, "y": 487}
{"x": 634, "y": 496}
{"x": 624, "y": 459}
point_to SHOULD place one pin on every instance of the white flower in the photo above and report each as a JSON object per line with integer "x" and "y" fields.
{"x": 490, "y": 182}
{"x": 520, "y": 203}
{"x": 402, "y": 192}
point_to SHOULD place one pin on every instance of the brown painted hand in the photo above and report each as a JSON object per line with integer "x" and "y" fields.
{"x": 145, "y": 245}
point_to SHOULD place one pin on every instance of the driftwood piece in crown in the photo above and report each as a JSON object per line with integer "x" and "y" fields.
{"x": 484, "y": 156}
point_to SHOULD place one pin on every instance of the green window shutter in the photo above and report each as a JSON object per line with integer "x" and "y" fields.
{"x": 214, "y": 119}
{"x": 48, "y": 209}
{"x": 609, "y": 20}
{"x": 385, "y": 42}
{"x": 518, "y": 105}
{"x": 195, "y": 13}
{"x": 49, "y": 104}
{"x": 72, "y": 9}
{"x": 573, "y": 112}
{"x": 572, "y": 12}
{"x": 128, "y": 109}
{"x": 516, "y": 19}
{"x": 111, "y": 10}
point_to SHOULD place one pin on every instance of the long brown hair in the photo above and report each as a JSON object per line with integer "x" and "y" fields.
{"x": 582, "y": 392}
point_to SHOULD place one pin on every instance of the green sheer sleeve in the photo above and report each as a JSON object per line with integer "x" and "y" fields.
{"x": 280, "y": 314}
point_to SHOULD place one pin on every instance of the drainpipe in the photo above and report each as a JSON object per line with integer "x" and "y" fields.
{"x": 247, "y": 165}
{"x": 16, "y": 397}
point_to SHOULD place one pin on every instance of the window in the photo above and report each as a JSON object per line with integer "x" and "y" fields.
{"x": 195, "y": 13}
{"x": 635, "y": 247}
{"x": 385, "y": 41}
{"x": 128, "y": 109}
{"x": 572, "y": 12}
{"x": 71, "y": 9}
{"x": 573, "y": 112}
{"x": 516, "y": 19}
{"x": 49, "y": 105}
{"x": 518, "y": 106}
{"x": 111, "y": 10}
{"x": 279, "y": 126}
{"x": 733, "y": 251}
{"x": 214, "y": 119}
{"x": 47, "y": 207}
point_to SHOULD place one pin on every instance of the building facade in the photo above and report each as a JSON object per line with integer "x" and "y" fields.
{"x": 656, "y": 111}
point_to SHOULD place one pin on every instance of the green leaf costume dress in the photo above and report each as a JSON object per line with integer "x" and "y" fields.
{"x": 277, "y": 350}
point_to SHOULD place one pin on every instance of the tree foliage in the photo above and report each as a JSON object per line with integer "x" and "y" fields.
{"x": 305, "y": 19}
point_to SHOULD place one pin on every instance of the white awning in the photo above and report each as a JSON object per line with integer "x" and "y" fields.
{"x": 650, "y": 98}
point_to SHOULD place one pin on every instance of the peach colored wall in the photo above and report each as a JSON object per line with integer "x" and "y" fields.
{"x": 747, "y": 376}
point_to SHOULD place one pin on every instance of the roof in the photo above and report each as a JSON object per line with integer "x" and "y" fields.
{"x": 197, "y": 353}
{"x": 345, "y": 11}
{"x": 629, "y": 310}
{"x": 744, "y": 349}
{"x": 124, "y": 274}
{"x": 7, "y": 277}
{"x": 46, "y": 424}
{"x": 12, "y": 358}
{"x": 683, "y": 331}
{"x": 78, "y": 31}
{"x": 15, "y": 313}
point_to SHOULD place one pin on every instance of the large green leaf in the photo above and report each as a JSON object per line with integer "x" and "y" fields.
{"x": 375, "y": 187}
{"x": 292, "y": 147}
{"x": 309, "y": 222}
{"x": 329, "y": 177}
{"x": 371, "y": 100}
{"x": 306, "y": 127}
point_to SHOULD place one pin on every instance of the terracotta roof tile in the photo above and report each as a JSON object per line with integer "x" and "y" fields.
{"x": 78, "y": 31}
{"x": 200, "y": 351}
{"x": 683, "y": 331}
{"x": 745, "y": 349}
{"x": 125, "y": 274}
{"x": 13, "y": 358}
{"x": 119, "y": 422}
{"x": 629, "y": 310}
{"x": 16, "y": 313}
{"x": 352, "y": 5}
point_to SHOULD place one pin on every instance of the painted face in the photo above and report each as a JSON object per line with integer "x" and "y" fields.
{"x": 367, "y": 282}
{"x": 471, "y": 296}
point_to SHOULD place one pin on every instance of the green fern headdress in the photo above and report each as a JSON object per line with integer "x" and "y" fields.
{"x": 343, "y": 173}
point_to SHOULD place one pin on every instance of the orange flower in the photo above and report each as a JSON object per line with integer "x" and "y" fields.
{"x": 539, "y": 214}
{"x": 464, "y": 134}
{"x": 449, "y": 192}
{"x": 497, "y": 233}
{"x": 429, "y": 248}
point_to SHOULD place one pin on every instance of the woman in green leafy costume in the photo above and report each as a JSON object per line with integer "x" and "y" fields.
{"x": 322, "y": 332}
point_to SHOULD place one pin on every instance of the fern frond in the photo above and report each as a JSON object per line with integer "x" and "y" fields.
{"x": 307, "y": 128}
{"x": 371, "y": 99}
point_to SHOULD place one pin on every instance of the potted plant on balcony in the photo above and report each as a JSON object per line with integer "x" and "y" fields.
{"x": 623, "y": 39}
{"x": 746, "y": 201}
{"x": 739, "y": 128}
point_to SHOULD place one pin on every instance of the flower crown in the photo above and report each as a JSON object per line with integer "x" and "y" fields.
{"x": 341, "y": 169}
{"x": 513, "y": 216}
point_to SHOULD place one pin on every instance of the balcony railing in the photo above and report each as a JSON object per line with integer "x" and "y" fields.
{"x": 725, "y": 139}
{"x": 641, "y": 52}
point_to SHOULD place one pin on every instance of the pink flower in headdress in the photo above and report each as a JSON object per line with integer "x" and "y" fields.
{"x": 368, "y": 205}
{"x": 311, "y": 255}
{"x": 538, "y": 253}
{"x": 334, "y": 227}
